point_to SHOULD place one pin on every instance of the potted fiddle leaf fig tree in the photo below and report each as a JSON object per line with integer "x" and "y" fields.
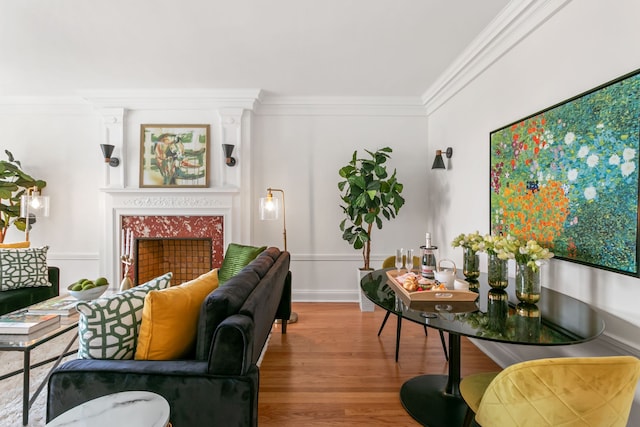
{"x": 369, "y": 195}
{"x": 14, "y": 182}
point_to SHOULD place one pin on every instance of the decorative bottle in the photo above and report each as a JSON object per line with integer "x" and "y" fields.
{"x": 428, "y": 258}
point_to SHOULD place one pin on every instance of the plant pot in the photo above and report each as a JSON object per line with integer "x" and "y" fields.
{"x": 498, "y": 272}
{"x": 365, "y": 303}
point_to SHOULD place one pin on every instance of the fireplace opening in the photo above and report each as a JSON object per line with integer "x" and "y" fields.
{"x": 186, "y": 258}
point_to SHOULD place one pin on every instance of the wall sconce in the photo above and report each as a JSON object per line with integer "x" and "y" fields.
{"x": 107, "y": 149}
{"x": 31, "y": 203}
{"x": 228, "y": 150}
{"x": 438, "y": 162}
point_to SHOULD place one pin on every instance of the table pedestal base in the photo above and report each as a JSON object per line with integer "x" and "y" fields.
{"x": 425, "y": 400}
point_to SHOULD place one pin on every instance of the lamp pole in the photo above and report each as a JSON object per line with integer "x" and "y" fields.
{"x": 284, "y": 214}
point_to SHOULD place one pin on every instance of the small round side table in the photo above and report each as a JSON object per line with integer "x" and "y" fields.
{"x": 134, "y": 408}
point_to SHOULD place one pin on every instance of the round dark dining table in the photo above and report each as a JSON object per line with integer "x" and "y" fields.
{"x": 496, "y": 315}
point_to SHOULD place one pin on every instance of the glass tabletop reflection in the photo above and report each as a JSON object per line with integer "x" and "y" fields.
{"x": 496, "y": 315}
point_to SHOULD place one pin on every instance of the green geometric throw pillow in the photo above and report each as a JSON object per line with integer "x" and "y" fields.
{"x": 23, "y": 268}
{"x": 236, "y": 258}
{"x": 108, "y": 327}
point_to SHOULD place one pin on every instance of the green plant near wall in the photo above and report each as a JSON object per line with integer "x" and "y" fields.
{"x": 368, "y": 194}
{"x": 14, "y": 182}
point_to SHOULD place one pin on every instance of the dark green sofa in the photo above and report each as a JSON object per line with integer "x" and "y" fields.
{"x": 218, "y": 385}
{"x": 21, "y": 298}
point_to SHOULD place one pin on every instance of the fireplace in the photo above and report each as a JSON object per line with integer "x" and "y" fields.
{"x": 185, "y": 245}
{"x": 185, "y": 258}
{"x": 212, "y": 213}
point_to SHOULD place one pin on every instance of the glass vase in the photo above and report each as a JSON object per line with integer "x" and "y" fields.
{"x": 527, "y": 283}
{"x": 498, "y": 272}
{"x": 497, "y": 311}
{"x": 470, "y": 264}
{"x": 527, "y": 322}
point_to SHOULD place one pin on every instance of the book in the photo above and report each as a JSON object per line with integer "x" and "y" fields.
{"x": 63, "y": 305}
{"x": 21, "y": 322}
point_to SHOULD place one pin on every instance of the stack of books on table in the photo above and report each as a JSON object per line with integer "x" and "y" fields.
{"x": 23, "y": 323}
{"x": 63, "y": 305}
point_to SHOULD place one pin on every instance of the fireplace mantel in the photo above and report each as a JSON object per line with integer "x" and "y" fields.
{"x": 224, "y": 202}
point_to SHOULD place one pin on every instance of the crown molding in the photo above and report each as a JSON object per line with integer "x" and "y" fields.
{"x": 30, "y": 105}
{"x": 179, "y": 99}
{"x": 514, "y": 23}
{"x": 341, "y": 105}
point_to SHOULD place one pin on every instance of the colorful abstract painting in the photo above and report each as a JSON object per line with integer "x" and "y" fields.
{"x": 568, "y": 177}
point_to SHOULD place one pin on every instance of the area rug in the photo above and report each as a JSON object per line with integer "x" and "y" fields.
{"x": 11, "y": 395}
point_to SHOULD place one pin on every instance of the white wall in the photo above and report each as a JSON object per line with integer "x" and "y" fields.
{"x": 302, "y": 154}
{"x": 587, "y": 43}
{"x": 60, "y": 144}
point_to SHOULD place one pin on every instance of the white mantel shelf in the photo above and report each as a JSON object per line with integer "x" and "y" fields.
{"x": 169, "y": 190}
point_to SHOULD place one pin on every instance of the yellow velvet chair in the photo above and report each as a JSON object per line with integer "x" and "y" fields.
{"x": 391, "y": 262}
{"x": 558, "y": 392}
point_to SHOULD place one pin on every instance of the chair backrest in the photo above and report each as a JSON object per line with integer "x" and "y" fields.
{"x": 570, "y": 391}
{"x": 391, "y": 262}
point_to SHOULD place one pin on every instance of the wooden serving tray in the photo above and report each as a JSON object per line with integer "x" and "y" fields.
{"x": 444, "y": 296}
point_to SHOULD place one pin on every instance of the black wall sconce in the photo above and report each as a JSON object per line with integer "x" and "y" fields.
{"x": 107, "y": 149}
{"x": 228, "y": 150}
{"x": 438, "y": 162}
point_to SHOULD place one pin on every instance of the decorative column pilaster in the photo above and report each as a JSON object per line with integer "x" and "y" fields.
{"x": 234, "y": 125}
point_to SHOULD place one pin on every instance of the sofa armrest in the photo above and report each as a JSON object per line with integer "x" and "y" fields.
{"x": 284, "y": 308}
{"x": 232, "y": 346}
{"x": 195, "y": 397}
{"x": 54, "y": 279}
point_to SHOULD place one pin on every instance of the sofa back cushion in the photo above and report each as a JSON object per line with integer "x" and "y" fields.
{"x": 263, "y": 303}
{"x": 220, "y": 304}
{"x": 264, "y": 261}
{"x": 170, "y": 319}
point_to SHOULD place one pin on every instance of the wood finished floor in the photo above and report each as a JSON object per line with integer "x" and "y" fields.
{"x": 330, "y": 369}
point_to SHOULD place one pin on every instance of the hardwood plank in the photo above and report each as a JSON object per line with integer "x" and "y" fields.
{"x": 330, "y": 369}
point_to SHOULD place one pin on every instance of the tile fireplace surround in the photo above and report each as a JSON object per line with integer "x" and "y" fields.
{"x": 184, "y": 229}
{"x": 168, "y": 213}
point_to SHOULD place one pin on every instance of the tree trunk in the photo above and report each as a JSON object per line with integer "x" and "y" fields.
{"x": 367, "y": 249}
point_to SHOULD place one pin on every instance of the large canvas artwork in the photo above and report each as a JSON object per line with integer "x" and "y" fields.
{"x": 568, "y": 177}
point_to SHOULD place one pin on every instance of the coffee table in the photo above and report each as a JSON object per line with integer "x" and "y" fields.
{"x": 27, "y": 343}
{"x": 435, "y": 400}
{"x": 127, "y": 408}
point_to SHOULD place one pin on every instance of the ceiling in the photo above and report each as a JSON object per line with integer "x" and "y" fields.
{"x": 284, "y": 47}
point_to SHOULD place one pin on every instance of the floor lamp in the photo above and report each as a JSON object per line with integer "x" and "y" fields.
{"x": 32, "y": 202}
{"x": 269, "y": 211}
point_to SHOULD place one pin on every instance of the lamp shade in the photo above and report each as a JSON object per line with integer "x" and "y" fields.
{"x": 438, "y": 162}
{"x": 269, "y": 208}
{"x": 34, "y": 204}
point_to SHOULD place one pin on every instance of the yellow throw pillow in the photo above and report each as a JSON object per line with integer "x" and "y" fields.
{"x": 15, "y": 245}
{"x": 170, "y": 319}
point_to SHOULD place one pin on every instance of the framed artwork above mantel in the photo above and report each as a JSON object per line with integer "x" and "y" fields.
{"x": 567, "y": 177}
{"x": 174, "y": 155}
